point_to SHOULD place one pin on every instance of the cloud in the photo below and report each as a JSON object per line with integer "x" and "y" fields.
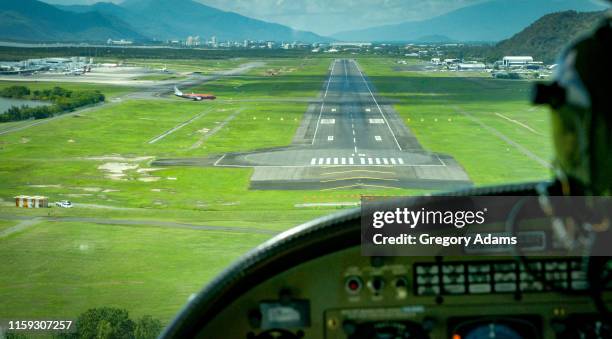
{"x": 328, "y": 17}
{"x": 324, "y": 16}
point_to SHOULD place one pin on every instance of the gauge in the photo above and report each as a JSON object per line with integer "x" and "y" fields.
{"x": 276, "y": 334}
{"x": 387, "y": 330}
{"x": 492, "y": 331}
{"x": 502, "y": 327}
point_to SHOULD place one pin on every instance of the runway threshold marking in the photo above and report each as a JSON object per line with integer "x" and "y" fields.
{"x": 351, "y": 161}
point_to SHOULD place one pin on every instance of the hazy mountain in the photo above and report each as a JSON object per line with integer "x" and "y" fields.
{"x": 31, "y": 20}
{"x": 489, "y": 21}
{"x": 177, "y": 19}
{"x": 546, "y": 38}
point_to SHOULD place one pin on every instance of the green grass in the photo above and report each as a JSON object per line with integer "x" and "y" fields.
{"x": 46, "y": 272}
{"x": 433, "y": 105}
{"x": 110, "y": 91}
{"x": 160, "y": 77}
{"x": 6, "y": 224}
{"x": 182, "y": 65}
{"x": 62, "y": 269}
{"x": 301, "y": 78}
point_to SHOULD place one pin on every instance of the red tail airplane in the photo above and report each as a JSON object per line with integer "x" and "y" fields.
{"x": 193, "y": 96}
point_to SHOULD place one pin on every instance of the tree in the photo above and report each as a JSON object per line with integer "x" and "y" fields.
{"x": 147, "y": 328}
{"x": 105, "y": 323}
{"x": 15, "y": 92}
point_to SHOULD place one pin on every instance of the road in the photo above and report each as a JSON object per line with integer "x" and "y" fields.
{"x": 348, "y": 138}
{"x": 29, "y": 221}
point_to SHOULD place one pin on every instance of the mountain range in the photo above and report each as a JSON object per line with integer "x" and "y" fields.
{"x": 545, "y": 38}
{"x": 159, "y": 20}
{"x": 488, "y": 21}
{"x": 144, "y": 20}
{"x": 31, "y": 20}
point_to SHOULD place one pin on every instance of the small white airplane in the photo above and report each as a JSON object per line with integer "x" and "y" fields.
{"x": 194, "y": 96}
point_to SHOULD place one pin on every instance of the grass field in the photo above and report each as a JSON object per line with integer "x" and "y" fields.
{"x": 100, "y": 160}
{"x": 486, "y": 124}
{"x": 182, "y": 65}
{"x": 160, "y": 77}
{"x": 62, "y": 269}
{"x": 5, "y": 224}
{"x": 110, "y": 91}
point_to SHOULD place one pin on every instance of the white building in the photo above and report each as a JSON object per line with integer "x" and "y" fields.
{"x": 477, "y": 66}
{"x": 192, "y": 41}
{"x": 121, "y": 42}
{"x": 351, "y": 44}
{"x": 510, "y": 61}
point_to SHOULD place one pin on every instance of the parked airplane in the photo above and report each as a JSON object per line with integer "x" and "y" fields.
{"x": 193, "y": 96}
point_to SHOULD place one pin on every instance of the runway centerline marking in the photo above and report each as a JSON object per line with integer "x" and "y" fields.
{"x": 377, "y": 105}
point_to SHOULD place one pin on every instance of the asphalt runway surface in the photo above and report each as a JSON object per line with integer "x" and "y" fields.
{"x": 349, "y": 138}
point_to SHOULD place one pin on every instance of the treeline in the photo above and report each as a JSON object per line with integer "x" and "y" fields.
{"x": 9, "y": 53}
{"x": 62, "y": 101}
{"x": 107, "y": 323}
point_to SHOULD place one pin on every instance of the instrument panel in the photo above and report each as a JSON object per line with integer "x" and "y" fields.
{"x": 346, "y": 295}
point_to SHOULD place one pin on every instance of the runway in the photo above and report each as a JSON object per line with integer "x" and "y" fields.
{"x": 348, "y": 138}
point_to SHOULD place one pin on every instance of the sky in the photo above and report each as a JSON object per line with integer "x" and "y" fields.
{"x": 327, "y": 16}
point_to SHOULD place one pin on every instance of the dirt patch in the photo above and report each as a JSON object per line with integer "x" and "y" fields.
{"x": 149, "y": 179}
{"x": 147, "y": 170}
{"x": 115, "y": 170}
{"x": 88, "y": 189}
{"x": 117, "y": 157}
